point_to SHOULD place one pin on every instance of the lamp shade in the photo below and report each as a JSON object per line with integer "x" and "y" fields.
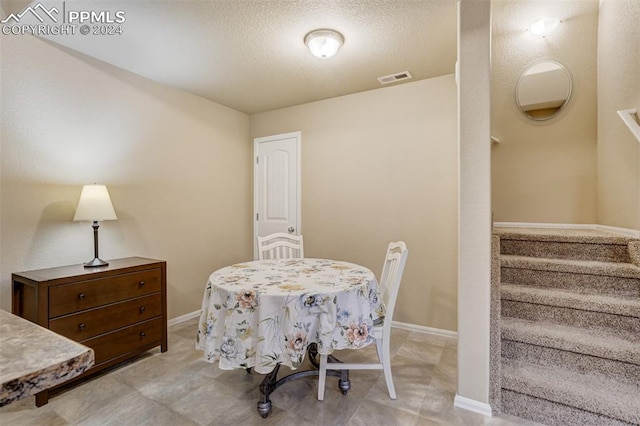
{"x": 95, "y": 204}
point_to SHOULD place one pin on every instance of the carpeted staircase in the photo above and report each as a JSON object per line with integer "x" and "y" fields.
{"x": 569, "y": 326}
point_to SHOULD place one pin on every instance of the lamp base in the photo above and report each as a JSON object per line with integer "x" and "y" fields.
{"x": 95, "y": 263}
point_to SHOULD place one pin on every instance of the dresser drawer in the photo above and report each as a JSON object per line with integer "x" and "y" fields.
{"x": 101, "y": 320}
{"x": 116, "y": 343}
{"x": 69, "y": 298}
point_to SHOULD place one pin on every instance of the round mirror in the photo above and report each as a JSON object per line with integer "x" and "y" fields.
{"x": 543, "y": 89}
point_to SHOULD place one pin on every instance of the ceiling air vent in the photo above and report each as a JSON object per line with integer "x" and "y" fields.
{"x": 399, "y": 76}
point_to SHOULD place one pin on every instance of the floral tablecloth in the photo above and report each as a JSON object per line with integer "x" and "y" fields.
{"x": 261, "y": 313}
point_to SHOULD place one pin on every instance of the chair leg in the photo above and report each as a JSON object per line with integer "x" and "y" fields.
{"x": 379, "y": 349}
{"x": 322, "y": 376}
{"x": 386, "y": 367}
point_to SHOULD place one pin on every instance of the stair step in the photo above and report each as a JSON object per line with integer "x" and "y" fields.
{"x": 557, "y": 250}
{"x": 627, "y": 306}
{"x": 554, "y": 315}
{"x": 584, "y": 236}
{"x": 616, "y": 345}
{"x": 622, "y": 279}
{"x": 578, "y": 244}
{"x": 552, "y": 413}
{"x": 577, "y": 362}
{"x": 594, "y": 392}
{"x": 570, "y": 308}
{"x": 588, "y": 267}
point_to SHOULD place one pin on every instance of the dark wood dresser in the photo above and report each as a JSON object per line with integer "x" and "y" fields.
{"x": 119, "y": 310}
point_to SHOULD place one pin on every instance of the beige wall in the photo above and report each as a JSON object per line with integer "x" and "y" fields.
{"x": 544, "y": 171}
{"x": 380, "y": 166}
{"x": 618, "y": 89}
{"x": 177, "y": 167}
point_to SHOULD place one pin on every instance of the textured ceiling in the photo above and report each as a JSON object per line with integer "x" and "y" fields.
{"x": 250, "y": 55}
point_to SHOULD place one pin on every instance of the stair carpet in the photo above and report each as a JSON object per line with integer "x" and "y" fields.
{"x": 570, "y": 326}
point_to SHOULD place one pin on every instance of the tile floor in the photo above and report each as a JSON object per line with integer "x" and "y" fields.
{"x": 178, "y": 388}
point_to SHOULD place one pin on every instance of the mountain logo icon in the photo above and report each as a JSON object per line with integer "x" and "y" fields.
{"x": 36, "y": 11}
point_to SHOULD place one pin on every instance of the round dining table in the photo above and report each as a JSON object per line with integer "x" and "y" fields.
{"x": 263, "y": 314}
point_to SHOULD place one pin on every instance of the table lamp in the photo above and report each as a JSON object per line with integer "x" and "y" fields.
{"x": 94, "y": 206}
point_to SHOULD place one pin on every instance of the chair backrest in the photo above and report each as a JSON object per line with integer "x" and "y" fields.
{"x": 391, "y": 276}
{"x": 280, "y": 246}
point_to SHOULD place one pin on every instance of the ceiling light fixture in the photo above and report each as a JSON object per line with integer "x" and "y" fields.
{"x": 324, "y": 43}
{"x": 544, "y": 27}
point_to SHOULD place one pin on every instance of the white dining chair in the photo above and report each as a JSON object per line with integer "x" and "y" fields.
{"x": 389, "y": 284}
{"x": 280, "y": 246}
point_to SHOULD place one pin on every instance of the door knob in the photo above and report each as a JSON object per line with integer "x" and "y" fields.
{"x": 291, "y": 229}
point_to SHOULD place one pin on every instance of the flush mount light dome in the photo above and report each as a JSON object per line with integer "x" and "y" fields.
{"x": 544, "y": 27}
{"x": 324, "y": 43}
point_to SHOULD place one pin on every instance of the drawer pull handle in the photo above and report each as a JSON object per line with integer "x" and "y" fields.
{"x": 143, "y": 334}
{"x": 142, "y": 309}
{"x": 82, "y": 296}
{"x": 141, "y": 284}
{"x": 82, "y": 326}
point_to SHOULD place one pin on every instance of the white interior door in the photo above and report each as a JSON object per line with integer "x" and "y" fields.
{"x": 276, "y": 185}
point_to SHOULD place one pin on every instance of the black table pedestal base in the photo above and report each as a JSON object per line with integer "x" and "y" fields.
{"x": 271, "y": 382}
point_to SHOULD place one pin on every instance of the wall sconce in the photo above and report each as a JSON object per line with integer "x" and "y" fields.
{"x": 544, "y": 27}
{"x": 95, "y": 205}
{"x": 324, "y": 43}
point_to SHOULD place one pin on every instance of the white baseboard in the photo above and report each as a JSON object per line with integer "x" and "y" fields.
{"x": 543, "y": 225}
{"x": 183, "y": 318}
{"x": 622, "y": 231}
{"x": 401, "y": 325}
{"x": 423, "y": 329}
{"x": 472, "y": 405}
